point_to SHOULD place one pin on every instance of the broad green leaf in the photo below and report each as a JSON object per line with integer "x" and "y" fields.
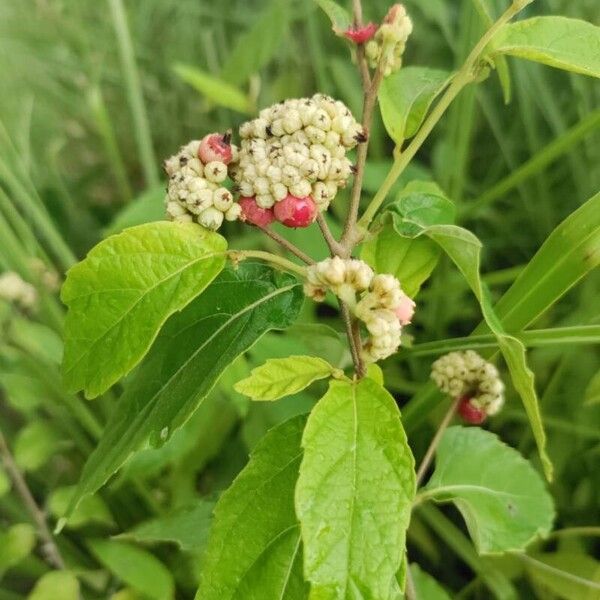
{"x": 254, "y": 551}
{"x": 35, "y": 445}
{"x": 257, "y": 46}
{"x": 354, "y": 493}
{"x": 16, "y": 543}
{"x": 188, "y": 357}
{"x": 426, "y": 587}
{"x": 187, "y": 526}
{"x": 146, "y": 208}
{"x": 569, "y": 44}
{"x": 339, "y": 16}
{"x": 92, "y": 509}
{"x": 136, "y": 567}
{"x": 280, "y": 377}
{"x": 568, "y": 575}
{"x": 123, "y": 292}
{"x": 214, "y": 89}
{"x": 56, "y": 584}
{"x": 405, "y": 98}
{"x": 502, "y": 498}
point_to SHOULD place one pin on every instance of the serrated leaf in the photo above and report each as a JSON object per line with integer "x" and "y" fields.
{"x": 254, "y": 551}
{"x": 280, "y": 377}
{"x": 426, "y": 587}
{"x": 561, "y": 42}
{"x": 354, "y": 493}
{"x": 191, "y": 352}
{"x": 502, "y": 498}
{"x": 213, "y": 88}
{"x": 406, "y": 96}
{"x": 136, "y": 567}
{"x": 123, "y": 292}
{"x": 187, "y": 526}
{"x": 339, "y": 16}
{"x": 55, "y": 584}
{"x": 257, "y": 46}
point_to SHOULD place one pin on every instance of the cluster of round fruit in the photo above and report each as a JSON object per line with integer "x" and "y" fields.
{"x": 477, "y": 383}
{"x": 292, "y": 159}
{"x": 390, "y": 39}
{"x": 195, "y": 190}
{"x": 382, "y": 305}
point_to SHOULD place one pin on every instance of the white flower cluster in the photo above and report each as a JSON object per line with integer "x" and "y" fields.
{"x": 14, "y": 289}
{"x": 195, "y": 190}
{"x": 297, "y": 147}
{"x": 381, "y": 305}
{"x": 390, "y": 40}
{"x": 466, "y": 374}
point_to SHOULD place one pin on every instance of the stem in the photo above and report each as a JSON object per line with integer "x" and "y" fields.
{"x": 463, "y": 77}
{"x": 51, "y": 549}
{"x": 436, "y": 441}
{"x": 287, "y": 245}
{"x": 354, "y": 348}
{"x": 334, "y": 246}
{"x": 278, "y": 261}
{"x": 363, "y": 68}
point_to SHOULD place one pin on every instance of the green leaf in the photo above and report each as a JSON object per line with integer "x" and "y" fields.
{"x": 354, "y": 493}
{"x": 592, "y": 391}
{"x": 136, "y": 567}
{"x": 187, "y": 526}
{"x": 214, "y": 89}
{"x": 339, "y": 17}
{"x": 35, "y": 445}
{"x": 92, "y": 509}
{"x": 280, "y": 377}
{"x": 569, "y": 575}
{"x": 16, "y": 543}
{"x": 56, "y": 584}
{"x": 122, "y": 293}
{"x": 426, "y": 587}
{"x": 188, "y": 357}
{"x": 569, "y": 44}
{"x": 256, "y": 47}
{"x": 254, "y": 550}
{"x": 146, "y": 208}
{"x": 5, "y": 482}
{"x": 405, "y": 98}
{"x": 502, "y": 498}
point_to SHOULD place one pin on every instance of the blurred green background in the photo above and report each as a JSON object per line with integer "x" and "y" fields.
{"x": 94, "y": 95}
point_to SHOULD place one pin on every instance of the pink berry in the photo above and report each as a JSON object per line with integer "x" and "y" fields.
{"x": 470, "y": 413}
{"x": 254, "y": 214}
{"x": 360, "y": 35}
{"x": 405, "y": 310}
{"x": 296, "y": 212}
{"x": 215, "y": 146}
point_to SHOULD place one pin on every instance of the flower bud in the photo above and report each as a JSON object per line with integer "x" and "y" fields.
{"x": 211, "y": 218}
{"x": 215, "y": 147}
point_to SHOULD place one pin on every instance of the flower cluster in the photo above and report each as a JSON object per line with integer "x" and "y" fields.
{"x": 14, "y": 289}
{"x": 196, "y": 176}
{"x": 296, "y": 148}
{"x": 382, "y": 305}
{"x": 389, "y": 42}
{"x": 467, "y": 376}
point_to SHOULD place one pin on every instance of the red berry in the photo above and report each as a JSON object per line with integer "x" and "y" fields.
{"x": 470, "y": 413}
{"x": 360, "y": 35}
{"x": 215, "y": 146}
{"x": 254, "y": 214}
{"x": 296, "y": 212}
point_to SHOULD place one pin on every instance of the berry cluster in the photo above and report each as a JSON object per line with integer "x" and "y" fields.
{"x": 196, "y": 176}
{"x": 477, "y": 383}
{"x": 389, "y": 42}
{"x": 14, "y": 289}
{"x": 382, "y": 305}
{"x": 296, "y": 150}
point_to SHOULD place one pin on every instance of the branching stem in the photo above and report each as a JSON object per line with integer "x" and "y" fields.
{"x": 287, "y": 245}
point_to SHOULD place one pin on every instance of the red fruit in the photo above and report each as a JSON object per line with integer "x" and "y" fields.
{"x": 471, "y": 413}
{"x": 254, "y": 214}
{"x": 215, "y": 146}
{"x": 360, "y": 35}
{"x": 296, "y": 212}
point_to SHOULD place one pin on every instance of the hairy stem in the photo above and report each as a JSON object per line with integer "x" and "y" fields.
{"x": 50, "y": 548}
{"x": 287, "y": 245}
